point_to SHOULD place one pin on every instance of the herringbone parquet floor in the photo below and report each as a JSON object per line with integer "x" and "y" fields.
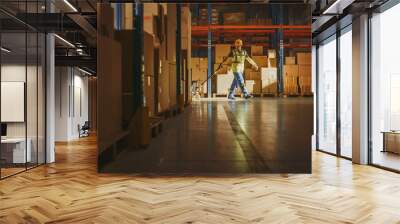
{"x": 71, "y": 191}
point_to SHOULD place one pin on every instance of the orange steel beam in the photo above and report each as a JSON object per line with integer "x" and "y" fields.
{"x": 251, "y": 33}
{"x": 236, "y": 31}
{"x": 216, "y": 27}
{"x": 287, "y": 45}
{"x": 203, "y": 32}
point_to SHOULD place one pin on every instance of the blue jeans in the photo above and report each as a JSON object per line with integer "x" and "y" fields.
{"x": 238, "y": 81}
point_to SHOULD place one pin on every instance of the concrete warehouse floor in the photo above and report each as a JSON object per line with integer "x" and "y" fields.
{"x": 261, "y": 135}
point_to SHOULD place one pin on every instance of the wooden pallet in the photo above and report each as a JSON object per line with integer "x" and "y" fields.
{"x": 308, "y": 94}
{"x": 226, "y": 95}
{"x": 269, "y": 94}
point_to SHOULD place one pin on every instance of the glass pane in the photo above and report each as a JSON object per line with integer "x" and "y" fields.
{"x": 346, "y": 93}
{"x": 327, "y": 97}
{"x": 386, "y": 89}
{"x": 14, "y": 153}
{"x": 31, "y": 97}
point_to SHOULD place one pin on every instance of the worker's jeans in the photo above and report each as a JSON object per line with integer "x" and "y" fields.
{"x": 238, "y": 81}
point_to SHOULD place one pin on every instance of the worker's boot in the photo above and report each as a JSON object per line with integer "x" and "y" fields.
{"x": 247, "y": 96}
{"x": 231, "y": 96}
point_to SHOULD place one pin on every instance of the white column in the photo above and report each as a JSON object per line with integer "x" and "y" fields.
{"x": 360, "y": 90}
{"x": 314, "y": 90}
{"x": 50, "y": 94}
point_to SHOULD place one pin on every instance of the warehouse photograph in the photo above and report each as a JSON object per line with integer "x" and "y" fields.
{"x": 200, "y": 111}
{"x": 205, "y": 88}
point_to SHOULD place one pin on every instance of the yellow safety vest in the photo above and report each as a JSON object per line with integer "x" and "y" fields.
{"x": 238, "y": 59}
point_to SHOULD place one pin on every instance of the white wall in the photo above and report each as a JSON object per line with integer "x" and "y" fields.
{"x": 17, "y": 73}
{"x": 33, "y": 126}
{"x": 71, "y": 102}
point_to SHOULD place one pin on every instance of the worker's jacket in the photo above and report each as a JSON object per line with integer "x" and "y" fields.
{"x": 238, "y": 58}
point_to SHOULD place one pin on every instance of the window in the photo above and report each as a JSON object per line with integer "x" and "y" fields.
{"x": 385, "y": 89}
{"x": 327, "y": 96}
{"x": 22, "y": 78}
{"x": 346, "y": 93}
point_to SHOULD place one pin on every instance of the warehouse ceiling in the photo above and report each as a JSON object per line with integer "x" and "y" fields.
{"x": 75, "y": 21}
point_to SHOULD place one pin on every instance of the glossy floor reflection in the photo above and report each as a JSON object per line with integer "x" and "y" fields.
{"x": 261, "y": 135}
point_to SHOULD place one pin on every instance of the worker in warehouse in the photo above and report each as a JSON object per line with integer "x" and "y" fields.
{"x": 236, "y": 60}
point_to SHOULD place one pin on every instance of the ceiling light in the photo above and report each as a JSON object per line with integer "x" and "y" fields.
{"x": 84, "y": 71}
{"x": 5, "y": 50}
{"x": 70, "y": 5}
{"x": 65, "y": 41}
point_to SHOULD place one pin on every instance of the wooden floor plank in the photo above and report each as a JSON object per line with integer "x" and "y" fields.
{"x": 71, "y": 191}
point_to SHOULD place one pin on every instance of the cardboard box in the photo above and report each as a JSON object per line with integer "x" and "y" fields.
{"x": 291, "y": 85}
{"x": 290, "y": 60}
{"x": 221, "y": 52}
{"x": 128, "y": 19}
{"x": 269, "y": 73}
{"x": 246, "y": 73}
{"x": 305, "y": 85}
{"x": 257, "y": 87}
{"x": 203, "y": 63}
{"x": 253, "y": 86}
{"x": 149, "y": 72}
{"x": 253, "y": 75}
{"x": 148, "y": 24}
{"x": 261, "y": 61}
{"x": 257, "y": 50}
{"x": 269, "y": 80}
{"x": 304, "y": 58}
{"x": 149, "y": 94}
{"x": 150, "y": 9}
{"x": 163, "y": 87}
{"x": 195, "y": 63}
{"x": 186, "y": 24}
{"x": 305, "y": 70}
{"x": 199, "y": 74}
{"x": 236, "y": 18}
{"x": 224, "y": 82}
{"x": 171, "y": 33}
{"x": 291, "y": 70}
{"x": 271, "y": 53}
{"x": 272, "y": 62}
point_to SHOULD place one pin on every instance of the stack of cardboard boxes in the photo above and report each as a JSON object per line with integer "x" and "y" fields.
{"x": 200, "y": 73}
{"x": 149, "y": 73}
{"x": 297, "y": 77}
{"x": 304, "y": 62}
{"x": 269, "y": 75}
{"x": 160, "y": 44}
{"x": 291, "y": 75}
{"x": 296, "y": 73}
{"x": 259, "y": 82}
{"x": 224, "y": 82}
{"x": 224, "y": 75}
{"x": 253, "y": 81}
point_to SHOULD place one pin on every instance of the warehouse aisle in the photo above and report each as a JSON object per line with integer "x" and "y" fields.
{"x": 259, "y": 135}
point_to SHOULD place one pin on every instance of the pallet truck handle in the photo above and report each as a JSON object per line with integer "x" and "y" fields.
{"x": 209, "y": 77}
